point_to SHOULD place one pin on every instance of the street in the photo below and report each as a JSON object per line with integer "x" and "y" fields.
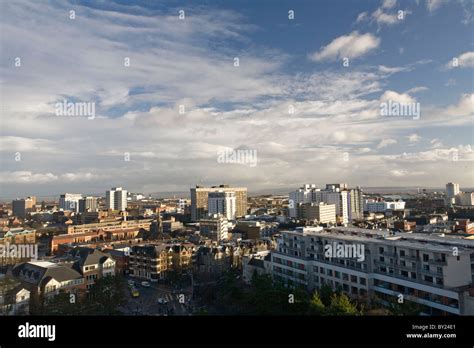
{"x": 175, "y": 302}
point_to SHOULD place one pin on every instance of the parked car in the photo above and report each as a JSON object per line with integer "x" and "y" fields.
{"x": 131, "y": 283}
{"x": 162, "y": 301}
{"x": 146, "y": 284}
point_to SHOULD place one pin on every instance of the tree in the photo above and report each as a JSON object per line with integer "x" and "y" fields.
{"x": 105, "y": 296}
{"x": 342, "y": 305}
{"x": 316, "y": 305}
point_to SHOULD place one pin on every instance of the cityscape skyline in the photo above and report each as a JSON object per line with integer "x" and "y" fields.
{"x": 304, "y": 96}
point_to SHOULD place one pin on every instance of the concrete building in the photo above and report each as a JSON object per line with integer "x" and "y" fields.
{"x": 116, "y": 199}
{"x": 375, "y": 206}
{"x": 465, "y": 198}
{"x": 88, "y": 204}
{"x": 20, "y": 207}
{"x": 434, "y": 272}
{"x": 200, "y": 198}
{"x": 70, "y": 201}
{"x": 452, "y": 189}
{"x": 214, "y": 227}
{"x": 336, "y": 194}
{"x": 320, "y": 212}
{"x": 223, "y": 203}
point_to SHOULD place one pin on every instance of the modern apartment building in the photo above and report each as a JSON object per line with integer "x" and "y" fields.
{"x": 320, "y": 212}
{"x": 214, "y": 227}
{"x": 465, "y": 198}
{"x": 200, "y": 199}
{"x": 336, "y": 194}
{"x": 435, "y": 272}
{"x": 116, "y": 199}
{"x": 70, "y": 201}
{"x": 223, "y": 203}
{"x": 452, "y": 189}
{"x": 88, "y": 204}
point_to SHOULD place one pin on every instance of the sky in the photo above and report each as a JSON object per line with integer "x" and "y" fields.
{"x": 298, "y": 84}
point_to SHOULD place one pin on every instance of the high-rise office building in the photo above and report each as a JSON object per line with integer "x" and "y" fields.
{"x": 88, "y": 204}
{"x": 452, "y": 190}
{"x": 70, "y": 201}
{"x": 116, "y": 199}
{"x": 20, "y": 207}
{"x": 223, "y": 203}
{"x": 200, "y": 199}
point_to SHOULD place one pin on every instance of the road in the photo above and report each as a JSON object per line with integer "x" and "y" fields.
{"x": 147, "y": 303}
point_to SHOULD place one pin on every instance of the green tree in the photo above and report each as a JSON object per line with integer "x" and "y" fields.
{"x": 342, "y": 305}
{"x": 105, "y": 296}
{"x": 316, "y": 305}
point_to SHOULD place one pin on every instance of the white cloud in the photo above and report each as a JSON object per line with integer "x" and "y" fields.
{"x": 465, "y": 60}
{"x": 385, "y": 143}
{"x": 465, "y": 106}
{"x": 402, "y": 98}
{"x": 362, "y": 17}
{"x": 389, "y": 3}
{"x": 433, "y": 5}
{"x": 352, "y": 45}
{"x": 413, "y": 138}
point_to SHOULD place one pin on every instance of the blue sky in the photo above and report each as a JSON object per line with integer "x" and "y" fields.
{"x": 336, "y": 132}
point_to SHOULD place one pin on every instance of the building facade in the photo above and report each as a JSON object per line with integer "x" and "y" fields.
{"x": 434, "y": 272}
{"x": 200, "y": 199}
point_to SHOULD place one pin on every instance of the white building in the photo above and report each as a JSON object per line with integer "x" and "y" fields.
{"x": 373, "y": 206}
{"x": 223, "y": 203}
{"x": 452, "y": 190}
{"x": 70, "y": 201}
{"x": 465, "y": 198}
{"x": 420, "y": 267}
{"x": 333, "y": 194}
{"x": 116, "y": 199}
{"x": 214, "y": 227}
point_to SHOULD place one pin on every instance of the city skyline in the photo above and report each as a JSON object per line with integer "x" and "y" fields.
{"x": 168, "y": 95}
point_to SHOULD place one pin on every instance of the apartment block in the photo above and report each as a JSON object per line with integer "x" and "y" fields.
{"x": 435, "y": 272}
{"x": 200, "y": 200}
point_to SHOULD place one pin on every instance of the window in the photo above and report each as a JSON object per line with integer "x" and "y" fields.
{"x": 439, "y": 270}
{"x": 330, "y": 272}
{"x": 345, "y": 276}
{"x": 426, "y": 257}
{"x": 353, "y": 279}
{"x": 426, "y": 267}
{"x": 337, "y": 274}
{"x": 402, "y": 252}
{"x": 362, "y": 281}
{"x": 321, "y": 270}
{"x": 428, "y": 279}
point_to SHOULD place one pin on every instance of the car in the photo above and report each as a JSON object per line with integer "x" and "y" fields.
{"x": 131, "y": 283}
{"x": 161, "y": 300}
{"x": 146, "y": 284}
{"x": 135, "y": 292}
